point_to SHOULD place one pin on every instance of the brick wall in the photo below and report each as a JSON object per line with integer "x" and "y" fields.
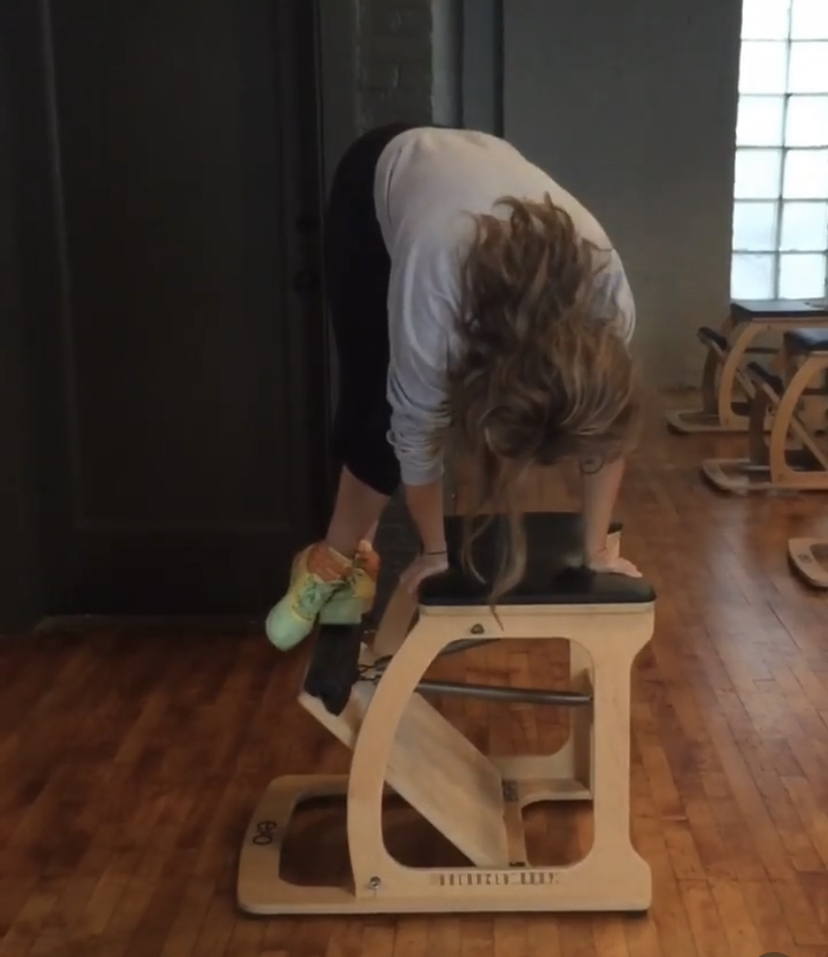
{"x": 394, "y": 44}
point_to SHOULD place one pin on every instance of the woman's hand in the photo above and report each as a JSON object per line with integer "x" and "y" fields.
{"x": 423, "y": 566}
{"x": 605, "y": 561}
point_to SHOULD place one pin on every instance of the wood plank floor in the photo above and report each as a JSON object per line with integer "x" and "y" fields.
{"x": 130, "y": 762}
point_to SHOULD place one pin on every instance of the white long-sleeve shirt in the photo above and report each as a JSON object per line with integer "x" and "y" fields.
{"x": 429, "y": 182}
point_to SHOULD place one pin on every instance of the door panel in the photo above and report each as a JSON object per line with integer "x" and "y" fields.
{"x": 168, "y": 175}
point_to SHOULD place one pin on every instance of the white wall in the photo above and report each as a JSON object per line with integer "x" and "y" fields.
{"x": 631, "y": 104}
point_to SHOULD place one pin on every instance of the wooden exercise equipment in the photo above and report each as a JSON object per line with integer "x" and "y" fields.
{"x": 374, "y": 701}
{"x": 726, "y": 388}
{"x": 809, "y": 557}
{"x": 793, "y": 457}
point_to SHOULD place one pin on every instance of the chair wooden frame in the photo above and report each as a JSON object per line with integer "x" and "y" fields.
{"x": 727, "y": 390}
{"x": 400, "y": 742}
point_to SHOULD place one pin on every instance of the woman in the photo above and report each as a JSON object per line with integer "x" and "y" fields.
{"x": 474, "y": 301}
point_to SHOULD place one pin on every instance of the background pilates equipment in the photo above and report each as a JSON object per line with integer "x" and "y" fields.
{"x": 726, "y": 387}
{"x": 793, "y": 457}
{"x": 372, "y": 699}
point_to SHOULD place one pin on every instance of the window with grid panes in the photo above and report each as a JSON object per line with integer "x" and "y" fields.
{"x": 780, "y": 215}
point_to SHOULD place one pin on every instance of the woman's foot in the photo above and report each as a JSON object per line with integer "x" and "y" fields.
{"x": 324, "y": 585}
{"x": 318, "y": 573}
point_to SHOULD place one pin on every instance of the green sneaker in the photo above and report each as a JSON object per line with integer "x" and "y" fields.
{"x": 318, "y": 574}
{"x": 346, "y": 607}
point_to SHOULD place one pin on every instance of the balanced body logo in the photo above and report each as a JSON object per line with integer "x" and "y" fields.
{"x": 773, "y": 953}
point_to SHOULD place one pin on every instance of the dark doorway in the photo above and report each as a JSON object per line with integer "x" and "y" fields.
{"x": 168, "y": 197}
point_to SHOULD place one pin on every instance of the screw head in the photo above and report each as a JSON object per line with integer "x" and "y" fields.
{"x": 374, "y": 884}
{"x": 478, "y": 629}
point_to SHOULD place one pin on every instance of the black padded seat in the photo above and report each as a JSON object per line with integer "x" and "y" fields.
{"x": 746, "y": 310}
{"x": 808, "y": 340}
{"x": 554, "y": 576}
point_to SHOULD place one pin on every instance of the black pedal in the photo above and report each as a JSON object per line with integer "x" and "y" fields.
{"x": 334, "y": 665}
{"x": 707, "y": 335}
{"x": 760, "y": 373}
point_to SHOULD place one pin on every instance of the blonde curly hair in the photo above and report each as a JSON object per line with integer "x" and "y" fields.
{"x": 538, "y": 377}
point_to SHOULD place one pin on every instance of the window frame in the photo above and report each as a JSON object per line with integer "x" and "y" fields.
{"x": 777, "y": 254}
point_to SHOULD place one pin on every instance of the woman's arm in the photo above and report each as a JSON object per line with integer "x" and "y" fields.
{"x": 425, "y": 505}
{"x": 600, "y": 482}
{"x": 422, "y": 302}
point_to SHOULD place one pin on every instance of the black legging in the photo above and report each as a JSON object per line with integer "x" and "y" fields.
{"x": 357, "y": 274}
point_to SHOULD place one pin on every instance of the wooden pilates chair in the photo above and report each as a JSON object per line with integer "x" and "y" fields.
{"x": 793, "y": 457}
{"x": 726, "y": 387}
{"x": 809, "y": 558}
{"x": 374, "y": 701}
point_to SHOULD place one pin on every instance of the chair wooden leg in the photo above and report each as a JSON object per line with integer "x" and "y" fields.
{"x": 758, "y": 452}
{"x": 706, "y": 419}
{"x": 395, "y": 623}
{"x": 751, "y": 473}
{"x": 613, "y": 859}
{"x": 787, "y": 425}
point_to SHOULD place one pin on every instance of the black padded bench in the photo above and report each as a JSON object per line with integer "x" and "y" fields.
{"x": 782, "y": 310}
{"x": 555, "y": 576}
{"x": 806, "y": 341}
{"x": 762, "y": 310}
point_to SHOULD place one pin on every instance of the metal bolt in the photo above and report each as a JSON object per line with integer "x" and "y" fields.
{"x": 478, "y": 630}
{"x": 374, "y": 884}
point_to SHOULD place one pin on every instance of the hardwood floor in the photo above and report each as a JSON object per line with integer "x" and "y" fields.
{"x": 130, "y": 761}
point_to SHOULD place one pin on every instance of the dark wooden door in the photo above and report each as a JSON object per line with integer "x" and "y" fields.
{"x": 168, "y": 198}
